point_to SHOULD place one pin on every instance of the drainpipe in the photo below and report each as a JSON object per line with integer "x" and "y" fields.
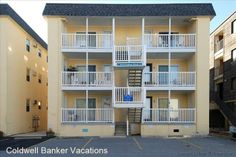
{"x": 127, "y": 126}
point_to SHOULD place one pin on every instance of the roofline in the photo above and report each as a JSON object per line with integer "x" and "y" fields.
{"x": 210, "y": 15}
{"x": 222, "y": 23}
{"x": 13, "y": 15}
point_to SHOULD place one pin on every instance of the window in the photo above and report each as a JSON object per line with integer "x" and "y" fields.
{"x": 27, "y": 105}
{"x": 233, "y": 55}
{"x": 39, "y": 53}
{"x": 28, "y": 74}
{"x": 39, "y": 105}
{"x": 233, "y": 27}
{"x": 39, "y": 78}
{"x": 81, "y": 103}
{"x": 233, "y": 83}
{"x": 27, "y": 45}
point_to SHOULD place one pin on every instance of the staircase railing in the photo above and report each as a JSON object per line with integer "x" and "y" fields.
{"x": 225, "y": 109}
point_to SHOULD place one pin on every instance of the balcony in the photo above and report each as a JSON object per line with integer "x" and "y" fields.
{"x": 178, "y": 42}
{"x": 218, "y": 72}
{"x": 219, "y": 49}
{"x": 165, "y": 115}
{"x": 129, "y": 56}
{"x": 83, "y": 43}
{"x": 219, "y": 45}
{"x": 128, "y": 97}
{"x": 87, "y": 115}
{"x": 83, "y": 80}
{"x": 178, "y": 80}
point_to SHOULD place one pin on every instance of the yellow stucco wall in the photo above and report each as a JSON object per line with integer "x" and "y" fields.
{"x": 14, "y": 87}
{"x": 185, "y": 99}
{"x": 87, "y": 130}
{"x": 202, "y": 86}
{"x": 167, "y": 130}
{"x": 197, "y": 62}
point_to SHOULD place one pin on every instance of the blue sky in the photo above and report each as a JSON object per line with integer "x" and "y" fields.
{"x": 31, "y": 10}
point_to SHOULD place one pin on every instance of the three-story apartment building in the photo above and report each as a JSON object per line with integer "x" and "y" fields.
{"x": 123, "y": 69}
{"x": 23, "y": 75}
{"x": 223, "y": 74}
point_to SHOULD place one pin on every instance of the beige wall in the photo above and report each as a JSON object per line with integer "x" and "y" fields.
{"x": 228, "y": 38}
{"x": 13, "y": 75}
{"x": 55, "y": 66}
{"x": 168, "y": 130}
{"x": 124, "y": 31}
{"x": 98, "y": 62}
{"x": 202, "y": 61}
{"x": 185, "y": 99}
{"x": 70, "y": 97}
{"x": 87, "y": 130}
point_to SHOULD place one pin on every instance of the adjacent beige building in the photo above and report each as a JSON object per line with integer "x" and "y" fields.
{"x": 124, "y": 69}
{"x": 23, "y": 75}
{"x": 223, "y": 74}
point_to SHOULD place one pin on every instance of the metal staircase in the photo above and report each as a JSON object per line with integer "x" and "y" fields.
{"x": 226, "y": 110}
{"x": 135, "y": 115}
{"x": 120, "y": 129}
{"x": 135, "y": 77}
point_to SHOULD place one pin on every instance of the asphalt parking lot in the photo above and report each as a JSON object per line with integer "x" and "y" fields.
{"x": 136, "y": 147}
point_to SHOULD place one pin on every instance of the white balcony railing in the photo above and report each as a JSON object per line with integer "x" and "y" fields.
{"x": 176, "y": 40}
{"x": 163, "y": 115}
{"x": 177, "y": 79}
{"x": 219, "y": 45}
{"x": 83, "y": 41}
{"x": 84, "y": 115}
{"x": 129, "y": 54}
{"x": 129, "y": 95}
{"x": 83, "y": 79}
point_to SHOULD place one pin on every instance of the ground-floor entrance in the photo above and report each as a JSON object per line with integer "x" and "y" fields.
{"x": 128, "y": 121}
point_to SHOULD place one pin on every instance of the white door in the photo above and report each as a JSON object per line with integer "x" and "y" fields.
{"x": 106, "y": 39}
{"x": 147, "y": 76}
{"x": 174, "y": 106}
{"x": 106, "y": 102}
{"x": 147, "y": 107}
{"x": 148, "y": 38}
{"x": 108, "y": 75}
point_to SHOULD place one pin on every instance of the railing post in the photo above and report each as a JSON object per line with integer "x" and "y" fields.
{"x": 113, "y": 115}
{"x": 113, "y": 55}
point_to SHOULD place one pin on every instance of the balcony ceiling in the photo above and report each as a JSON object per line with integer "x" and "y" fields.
{"x": 75, "y": 55}
{"x": 176, "y": 55}
{"x": 95, "y": 55}
{"x": 107, "y": 21}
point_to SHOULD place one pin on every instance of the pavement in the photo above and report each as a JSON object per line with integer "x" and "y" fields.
{"x": 133, "y": 146}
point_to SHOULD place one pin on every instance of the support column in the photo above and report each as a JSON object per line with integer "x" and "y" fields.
{"x": 143, "y": 29}
{"x": 113, "y": 41}
{"x": 86, "y": 99}
{"x": 86, "y": 32}
{"x": 86, "y": 69}
{"x": 113, "y": 31}
{"x": 169, "y": 64}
